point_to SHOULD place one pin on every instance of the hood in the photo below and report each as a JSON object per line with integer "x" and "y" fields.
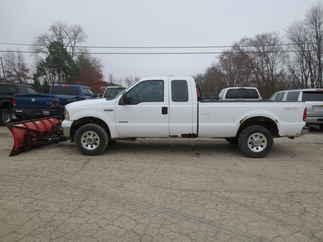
{"x": 89, "y": 103}
{"x": 64, "y": 96}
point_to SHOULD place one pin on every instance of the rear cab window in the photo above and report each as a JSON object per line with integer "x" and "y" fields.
{"x": 313, "y": 96}
{"x": 179, "y": 91}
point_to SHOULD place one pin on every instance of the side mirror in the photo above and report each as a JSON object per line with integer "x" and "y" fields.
{"x": 124, "y": 99}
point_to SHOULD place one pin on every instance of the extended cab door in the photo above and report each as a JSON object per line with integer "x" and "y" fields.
{"x": 183, "y": 107}
{"x": 145, "y": 113}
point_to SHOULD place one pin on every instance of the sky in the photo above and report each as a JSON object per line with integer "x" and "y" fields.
{"x": 150, "y": 23}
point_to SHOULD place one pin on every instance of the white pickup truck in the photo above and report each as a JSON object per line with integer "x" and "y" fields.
{"x": 169, "y": 107}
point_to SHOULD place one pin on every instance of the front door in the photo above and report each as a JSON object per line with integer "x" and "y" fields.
{"x": 146, "y": 111}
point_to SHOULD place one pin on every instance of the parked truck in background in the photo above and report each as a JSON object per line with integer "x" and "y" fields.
{"x": 313, "y": 99}
{"x": 239, "y": 93}
{"x": 22, "y": 102}
{"x": 68, "y": 93}
{"x": 169, "y": 107}
{"x": 112, "y": 91}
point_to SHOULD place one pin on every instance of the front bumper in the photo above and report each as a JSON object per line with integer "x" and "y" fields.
{"x": 66, "y": 126}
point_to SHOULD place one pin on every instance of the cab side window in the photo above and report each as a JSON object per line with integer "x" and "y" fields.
{"x": 179, "y": 91}
{"x": 147, "y": 91}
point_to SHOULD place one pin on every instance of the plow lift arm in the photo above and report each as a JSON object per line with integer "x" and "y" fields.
{"x": 33, "y": 133}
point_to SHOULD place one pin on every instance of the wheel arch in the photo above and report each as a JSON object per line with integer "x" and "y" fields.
{"x": 87, "y": 120}
{"x": 267, "y": 122}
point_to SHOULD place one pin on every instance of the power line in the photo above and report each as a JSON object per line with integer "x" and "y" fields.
{"x": 157, "y": 53}
{"x": 156, "y": 47}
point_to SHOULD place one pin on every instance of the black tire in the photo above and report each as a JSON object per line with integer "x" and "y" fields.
{"x": 90, "y": 148}
{"x": 255, "y": 148}
{"x": 232, "y": 141}
{"x": 5, "y": 116}
{"x": 321, "y": 127}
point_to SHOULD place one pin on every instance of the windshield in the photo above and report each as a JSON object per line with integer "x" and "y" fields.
{"x": 27, "y": 90}
{"x": 7, "y": 89}
{"x": 314, "y": 96}
{"x": 113, "y": 92}
{"x": 88, "y": 91}
{"x": 69, "y": 90}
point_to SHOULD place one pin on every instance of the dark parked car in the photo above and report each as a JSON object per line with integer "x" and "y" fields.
{"x": 26, "y": 103}
{"x": 71, "y": 92}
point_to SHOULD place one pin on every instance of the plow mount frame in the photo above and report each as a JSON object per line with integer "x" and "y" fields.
{"x": 34, "y": 133}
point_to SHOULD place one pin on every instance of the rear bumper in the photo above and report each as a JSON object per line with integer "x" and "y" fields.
{"x": 314, "y": 120}
{"x": 66, "y": 126}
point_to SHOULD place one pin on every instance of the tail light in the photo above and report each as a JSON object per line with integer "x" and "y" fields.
{"x": 198, "y": 92}
{"x": 13, "y": 102}
{"x": 305, "y": 114}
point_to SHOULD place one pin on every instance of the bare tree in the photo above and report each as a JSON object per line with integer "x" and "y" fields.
{"x": 15, "y": 68}
{"x": 131, "y": 80}
{"x": 314, "y": 20}
{"x": 268, "y": 59}
{"x": 211, "y": 82}
{"x": 236, "y": 65}
{"x": 68, "y": 35}
{"x": 307, "y": 39}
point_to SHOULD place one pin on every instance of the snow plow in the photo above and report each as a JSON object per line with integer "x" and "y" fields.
{"x": 34, "y": 133}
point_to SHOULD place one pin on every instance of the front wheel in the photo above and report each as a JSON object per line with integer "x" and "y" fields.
{"x": 92, "y": 139}
{"x": 255, "y": 141}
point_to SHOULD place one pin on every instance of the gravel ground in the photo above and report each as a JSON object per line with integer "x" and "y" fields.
{"x": 163, "y": 190}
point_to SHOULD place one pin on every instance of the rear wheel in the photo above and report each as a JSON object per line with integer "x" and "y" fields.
{"x": 92, "y": 139}
{"x": 321, "y": 127}
{"x": 255, "y": 141}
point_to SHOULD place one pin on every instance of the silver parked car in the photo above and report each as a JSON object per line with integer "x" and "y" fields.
{"x": 313, "y": 99}
{"x": 112, "y": 91}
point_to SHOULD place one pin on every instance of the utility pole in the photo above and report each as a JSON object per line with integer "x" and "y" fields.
{"x": 3, "y": 72}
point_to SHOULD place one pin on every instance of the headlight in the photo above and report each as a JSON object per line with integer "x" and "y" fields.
{"x": 66, "y": 115}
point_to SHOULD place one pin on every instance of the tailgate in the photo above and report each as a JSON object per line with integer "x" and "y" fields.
{"x": 315, "y": 109}
{"x": 314, "y": 102}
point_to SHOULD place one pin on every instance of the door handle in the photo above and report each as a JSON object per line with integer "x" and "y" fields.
{"x": 164, "y": 110}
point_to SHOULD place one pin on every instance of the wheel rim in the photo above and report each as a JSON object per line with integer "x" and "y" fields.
{"x": 257, "y": 142}
{"x": 90, "y": 140}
